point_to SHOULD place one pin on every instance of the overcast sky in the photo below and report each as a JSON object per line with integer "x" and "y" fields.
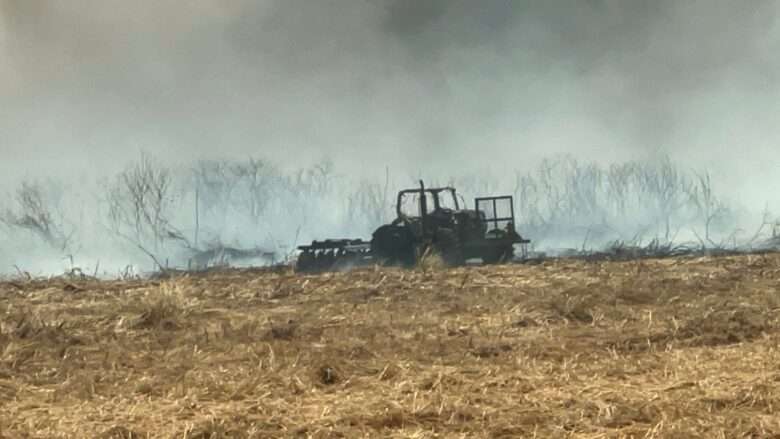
{"x": 404, "y": 83}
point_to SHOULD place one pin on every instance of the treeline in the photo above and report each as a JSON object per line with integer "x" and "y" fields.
{"x": 564, "y": 200}
{"x": 221, "y": 211}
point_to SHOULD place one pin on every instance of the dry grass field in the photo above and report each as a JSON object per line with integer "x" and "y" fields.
{"x": 654, "y": 348}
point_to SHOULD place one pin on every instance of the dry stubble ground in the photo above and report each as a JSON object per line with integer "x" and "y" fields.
{"x": 655, "y": 348}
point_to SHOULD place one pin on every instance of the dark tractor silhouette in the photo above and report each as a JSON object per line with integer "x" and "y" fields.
{"x": 428, "y": 221}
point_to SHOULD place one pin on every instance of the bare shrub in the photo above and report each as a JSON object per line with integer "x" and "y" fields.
{"x": 711, "y": 209}
{"x": 38, "y": 214}
{"x": 371, "y": 203}
{"x": 258, "y": 178}
{"x": 215, "y": 182}
{"x": 563, "y": 199}
{"x": 139, "y": 202}
{"x": 255, "y": 193}
{"x": 140, "y": 208}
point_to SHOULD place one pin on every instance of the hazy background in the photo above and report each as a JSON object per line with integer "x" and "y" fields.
{"x": 424, "y": 87}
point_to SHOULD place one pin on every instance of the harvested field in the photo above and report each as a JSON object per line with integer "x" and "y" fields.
{"x": 653, "y": 348}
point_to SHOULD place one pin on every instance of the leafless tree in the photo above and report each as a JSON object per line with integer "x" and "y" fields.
{"x": 370, "y": 203}
{"x": 34, "y": 213}
{"x": 215, "y": 182}
{"x": 563, "y": 197}
{"x": 317, "y": 179}
{"x": 258, "y": 179}
{"x": 710, "y": 208}
{"x": 140, "y": 207}
{"x": 668, "y": 189}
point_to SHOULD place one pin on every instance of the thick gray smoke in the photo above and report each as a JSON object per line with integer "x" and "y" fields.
{"x": 424, "y": 87}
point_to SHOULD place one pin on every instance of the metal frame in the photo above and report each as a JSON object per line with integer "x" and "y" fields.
{"x": 497, "y": 219}
{"x": 435, "y": 192}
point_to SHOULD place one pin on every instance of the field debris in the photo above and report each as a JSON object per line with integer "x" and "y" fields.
{"x": 676, "y": 347}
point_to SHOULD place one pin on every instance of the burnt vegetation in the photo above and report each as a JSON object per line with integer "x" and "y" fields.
{"x": 252, "y": 212}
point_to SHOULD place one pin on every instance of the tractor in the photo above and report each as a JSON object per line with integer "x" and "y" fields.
{"x": 429, "y": 221}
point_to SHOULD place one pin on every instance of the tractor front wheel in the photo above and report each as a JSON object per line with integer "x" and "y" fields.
{"x": 449, "y": 247}
{"x": 498, "y": 255}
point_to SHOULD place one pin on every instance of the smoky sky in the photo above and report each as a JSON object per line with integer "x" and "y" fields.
{"x": 422, "y": 84}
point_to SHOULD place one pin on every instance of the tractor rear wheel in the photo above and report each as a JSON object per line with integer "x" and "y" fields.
{"x": 393, "y": 245}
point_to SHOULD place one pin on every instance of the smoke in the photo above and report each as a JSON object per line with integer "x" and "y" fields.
{"x": 431, "y": 87}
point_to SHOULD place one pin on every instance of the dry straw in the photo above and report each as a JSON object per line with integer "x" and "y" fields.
{"x": 657, "y": 348}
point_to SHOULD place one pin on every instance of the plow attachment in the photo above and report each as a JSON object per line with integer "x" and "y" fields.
{"x": 333, "y": 255}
